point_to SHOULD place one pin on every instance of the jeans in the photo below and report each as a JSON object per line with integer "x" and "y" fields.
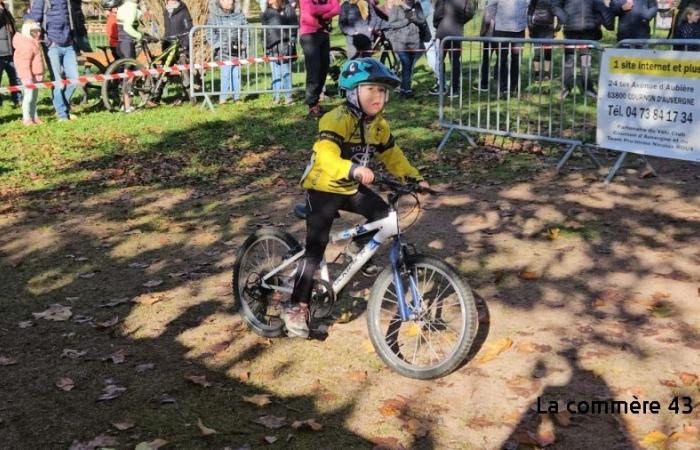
{"x": 7, "y": 65}
{"x": 408, "y": 62}
{"x": 281, "y": 79}
{"x": 29, "y": 103}
{"x": 64, "y": 66}
{"x": 230, "y": 82}
{"x": 317, "y": 55}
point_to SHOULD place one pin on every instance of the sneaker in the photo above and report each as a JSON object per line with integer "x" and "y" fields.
{"x": 129, "y": 110}
{"x": 38, "y": 121}
{"x": 289, "y": 101}
{"x": 435, "y": 90}
{"x": 222, "y": 101}
{"x": 590, "y": 92}
{"x": 315, "y": 111}
{"x": 479, "y": 88}
{"x": 28, "y": 122}
{"x": 296, "y": 319}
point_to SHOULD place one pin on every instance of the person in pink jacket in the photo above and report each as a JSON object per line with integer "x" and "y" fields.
{"x": 314, "y": 28}
{"x": 30, "y": 67}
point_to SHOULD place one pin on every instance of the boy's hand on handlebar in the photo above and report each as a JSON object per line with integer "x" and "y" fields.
{"x": 364, "y": 175}
{"x": 424, "y": 185}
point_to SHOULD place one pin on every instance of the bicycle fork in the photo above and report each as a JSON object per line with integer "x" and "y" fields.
{"x": 396, "y": 258}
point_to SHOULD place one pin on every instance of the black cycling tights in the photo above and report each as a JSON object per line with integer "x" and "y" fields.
{"x": 321, "y": 209}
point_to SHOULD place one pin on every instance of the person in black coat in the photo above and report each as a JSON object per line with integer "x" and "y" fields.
{"x": 449, "y": 19}
{"x": 178, "y": 23}
{"x": 7, "y": 31}
{"x": 540, "y": 24}
{"x": 634, "y": 17}
{"x": 581, "y": 20}
{"x": 280, "y": 43}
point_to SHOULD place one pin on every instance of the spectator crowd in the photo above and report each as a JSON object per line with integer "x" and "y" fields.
{"x": 53, "y": 33}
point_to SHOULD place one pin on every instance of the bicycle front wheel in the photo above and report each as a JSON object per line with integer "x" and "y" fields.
{"x": 440, "y": 333}
{"x": 138, "y": 87}
{"x": 261, "y": 253}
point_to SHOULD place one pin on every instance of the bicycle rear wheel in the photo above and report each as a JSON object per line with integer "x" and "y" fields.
{"x": 139, "y": 87}
{"x": 439, "y": 337}
{"x": 263, "y": 251}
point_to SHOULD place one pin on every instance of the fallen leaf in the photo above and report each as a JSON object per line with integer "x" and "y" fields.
{"x": 526, "y": 347}
{"x": 218, "y": 348}
{"x": 124, "y": 425}
{"x": 118, "y": 357}
{"x": 204, "y": 430}
{"x": 529, "y": 275}
{"x": 151, "y": 445}
{"x": 55, "y": 312}
{"x": 25, "y": 324}
{"x": 416, "y": 427}
{"x": 553, "y": 234}
{"x": 358, "y": 375}
{"x": 480, "y": 422}
{"x": 654, "y": 438}
{"x": 198, "y": 379}
{"x": 72, "y": 354}
{"x": 107, "y": 324}
{"x": 138, "y": 265}
{"x": 688, "y": 379}
{"x": 165, "y": 399}
{"x": 65, "y": 384}
{"x": 7, "y": 361}
{"x": 393, "y": 407}
{"x": 259, "y": 399}
{"x": 141, "y": 368}
{"x": 309, "y": 424}
{"x": 271, "y": 422}
{"x": 114, "y": 302}
{"x": 100, "y": 441}
{"x": 110, "y": 392}
{"x": 387, "y": 443}
{"x": 244, "y": 376}
{"x": 689, "y": 433}
{"x": 367, "y": 346}
{"x": 150, "y": 298}
{"x": 270, "y": 439}
{"x": 81, "y": 318}
{"x": 669, "y": 383}
{"x": 345, "y": 317}
{"x": 661, "y": 309}
{"x": 87, "y": 275}
{"x": 494, "y": 349}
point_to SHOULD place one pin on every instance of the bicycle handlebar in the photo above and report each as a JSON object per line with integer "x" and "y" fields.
{"x": 412, "y": 187}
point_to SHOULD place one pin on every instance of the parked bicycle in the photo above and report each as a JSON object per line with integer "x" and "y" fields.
{"x": 143, "y": 89}
{"x": 381, "y": 45}
{"x": 421, "y": 314}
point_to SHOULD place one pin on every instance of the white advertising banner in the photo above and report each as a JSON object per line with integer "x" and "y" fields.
{"x": 648, "y": 103}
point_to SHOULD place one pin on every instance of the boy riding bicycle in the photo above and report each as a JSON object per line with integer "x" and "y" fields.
{"x": 338, "y": 176}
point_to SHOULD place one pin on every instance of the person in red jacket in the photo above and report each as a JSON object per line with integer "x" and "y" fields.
{"x": 111, "y": 28}
{"x": 30, "y": 67}
{"x": 314, "y": 27}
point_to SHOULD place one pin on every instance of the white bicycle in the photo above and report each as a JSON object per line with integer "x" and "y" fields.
{"x": 421, "y": 314}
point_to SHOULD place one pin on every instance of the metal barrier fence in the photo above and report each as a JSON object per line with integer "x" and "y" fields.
{"x": 247, "y": 61}
{"x": 659, "y": 44}
{"x": 538, "y": 89}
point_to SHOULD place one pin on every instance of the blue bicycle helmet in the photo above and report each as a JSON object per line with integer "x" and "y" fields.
{"x": 366, "y": 70}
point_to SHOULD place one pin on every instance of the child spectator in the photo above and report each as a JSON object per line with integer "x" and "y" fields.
{"x": 228, "y": 41}
{"x": 634, "y": 17}
{"x": 280, "y": 43}
{"x": 338, "y": 176}
{"x": 314, "y": 27}
{"x": 540, "y": 23}
{"x": 30, "y": 67}
{"x": 7, "y": 31}
{"x": 405, "y": 37}
{"x": 111, "y": 28}
{"x": 689, "y": 28}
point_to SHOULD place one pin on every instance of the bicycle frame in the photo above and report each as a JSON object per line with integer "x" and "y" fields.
{"x": 386, "y": 228}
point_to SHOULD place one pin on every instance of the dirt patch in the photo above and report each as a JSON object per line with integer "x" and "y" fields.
{"x": 597, "y": 289}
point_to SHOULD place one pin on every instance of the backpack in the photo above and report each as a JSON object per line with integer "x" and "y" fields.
{"x": 541, "y": 17}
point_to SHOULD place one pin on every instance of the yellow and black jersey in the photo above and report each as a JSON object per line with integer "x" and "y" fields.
{"x": 343, "y": 143}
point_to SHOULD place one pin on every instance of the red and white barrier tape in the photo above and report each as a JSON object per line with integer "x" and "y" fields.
{"x": 129, "y": 74}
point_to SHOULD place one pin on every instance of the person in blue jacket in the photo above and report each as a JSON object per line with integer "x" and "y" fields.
{"x": 634, "y": 17}
{"x": 64, "y": 32}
